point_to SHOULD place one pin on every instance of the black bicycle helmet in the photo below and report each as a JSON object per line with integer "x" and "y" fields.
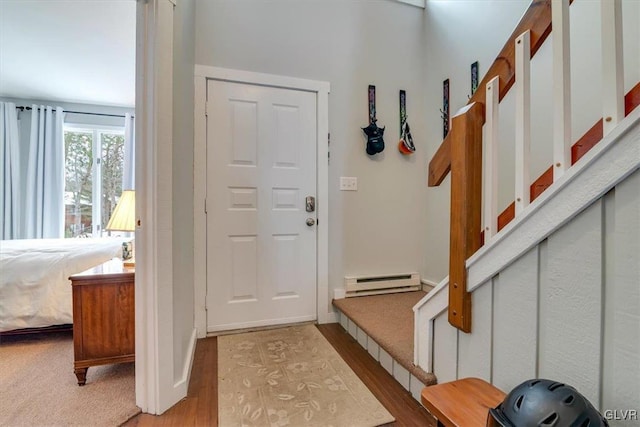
{"x": 545, "y": 403}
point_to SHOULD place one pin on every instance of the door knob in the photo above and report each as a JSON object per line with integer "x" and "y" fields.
{"x": 310, "y": 222}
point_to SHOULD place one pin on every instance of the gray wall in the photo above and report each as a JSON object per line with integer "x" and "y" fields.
{"x": 381, "y": 228}
{"x": 183, "y": 106}
{"x": 567, "y": 310}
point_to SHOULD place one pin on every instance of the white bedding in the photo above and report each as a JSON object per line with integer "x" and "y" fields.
{"x": 35, "y": 289}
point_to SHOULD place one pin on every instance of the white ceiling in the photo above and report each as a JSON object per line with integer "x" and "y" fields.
{"x": 68, "y": 50}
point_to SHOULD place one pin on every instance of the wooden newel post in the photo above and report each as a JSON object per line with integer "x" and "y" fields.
{"x": 466, "y": 205}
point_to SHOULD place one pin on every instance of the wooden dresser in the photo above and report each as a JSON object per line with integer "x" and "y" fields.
{"x": 103, "y": 317}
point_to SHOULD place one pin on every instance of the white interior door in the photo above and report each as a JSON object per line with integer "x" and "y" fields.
{"x": 261, "y": 166}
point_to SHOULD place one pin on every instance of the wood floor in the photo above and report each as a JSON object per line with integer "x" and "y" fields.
{"x": 199, "y": 408}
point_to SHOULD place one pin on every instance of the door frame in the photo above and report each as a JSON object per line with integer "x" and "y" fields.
{"x": 158, "y": 385}
{"x": 321, "y": 89}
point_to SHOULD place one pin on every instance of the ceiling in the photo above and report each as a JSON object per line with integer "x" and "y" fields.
{"x": 68, "y": 50}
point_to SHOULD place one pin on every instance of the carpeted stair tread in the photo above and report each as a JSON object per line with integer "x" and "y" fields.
{"x": 388, "y": 319}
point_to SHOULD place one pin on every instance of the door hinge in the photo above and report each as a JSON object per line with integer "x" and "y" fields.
{"x": 205, "y": 205}
{"x": 206, "y": 108}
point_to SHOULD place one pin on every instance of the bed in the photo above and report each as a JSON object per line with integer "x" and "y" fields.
{"x": 35, "y": 290}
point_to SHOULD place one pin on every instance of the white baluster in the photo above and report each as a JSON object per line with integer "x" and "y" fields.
{"x": 491, "y": 159}
{"x": 523, "y": 120}
{"x": 612, "y": 64}
{"x": 561, "y": 88}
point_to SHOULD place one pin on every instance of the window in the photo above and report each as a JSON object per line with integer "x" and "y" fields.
{"x": 94, "y": 163}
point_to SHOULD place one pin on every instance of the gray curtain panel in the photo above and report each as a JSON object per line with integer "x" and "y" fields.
{"x": 9, "y": 172}
{"x": 44, "y": 208}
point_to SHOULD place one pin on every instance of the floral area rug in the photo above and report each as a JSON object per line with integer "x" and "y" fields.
{"x": 290, "y": 377}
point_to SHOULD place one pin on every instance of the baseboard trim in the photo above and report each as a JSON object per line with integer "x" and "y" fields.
{"x": 183, "y": 382}
{"x": 332, "y": 317}
{"x": 428, "y": 285}
{"x": 429, "y": 282}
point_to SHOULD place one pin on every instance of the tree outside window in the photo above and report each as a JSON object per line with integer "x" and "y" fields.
{"x": 112, "y": 168}
{"x": 94, "y": 163}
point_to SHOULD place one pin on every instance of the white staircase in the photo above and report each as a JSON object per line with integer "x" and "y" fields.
{"x": 556, "y": 292}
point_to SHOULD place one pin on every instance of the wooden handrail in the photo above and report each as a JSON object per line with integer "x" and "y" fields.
{"x": 461, "y": 154}
{"x": 536, "y": 19}
{"x": 466, "y": 206}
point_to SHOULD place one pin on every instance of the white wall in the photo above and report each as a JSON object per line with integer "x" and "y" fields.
{"x": 183, "y": 106}
{"x": 381, "y": 228}
{"x": 459, "y": 32}
{"x": 74, "y": 51}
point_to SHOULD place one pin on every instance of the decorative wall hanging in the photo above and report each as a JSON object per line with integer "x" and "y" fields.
{"x": 444, "y": 113}
{"x": 474, "y": 77}
{"x": 405, "y": 146}
{"x": 375, "y": 143}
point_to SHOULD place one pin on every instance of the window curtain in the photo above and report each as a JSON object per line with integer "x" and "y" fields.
{"x": 9, "y": 172}
{"x": 129, "y": 172}
{"x": 44, "y": 208}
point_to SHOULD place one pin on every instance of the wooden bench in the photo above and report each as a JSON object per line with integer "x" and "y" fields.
{"x": 461, "y": 403}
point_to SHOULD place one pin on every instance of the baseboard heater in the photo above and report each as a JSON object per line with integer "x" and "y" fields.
{"x": 376, "y": 285}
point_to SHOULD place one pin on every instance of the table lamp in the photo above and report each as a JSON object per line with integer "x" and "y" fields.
{"x": 123, "y": 218}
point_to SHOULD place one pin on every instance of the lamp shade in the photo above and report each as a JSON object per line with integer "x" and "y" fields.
{"x": 124, "y": 215}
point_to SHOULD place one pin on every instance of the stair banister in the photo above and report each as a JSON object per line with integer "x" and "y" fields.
{"x": 561, "y": 88}
{"x": 460, "y": 151}
{"x": 523, "y": 121}
{"x": 513, "y": 67}
{"x": 466, "y": 194}
{"x": 491, "y": 155}
{"x": 466, "y": 182}
{"x": 612, "y": 64}
{"x": 537, "y": 19}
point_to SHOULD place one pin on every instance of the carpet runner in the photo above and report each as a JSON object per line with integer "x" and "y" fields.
{"x": 290, "y": 376}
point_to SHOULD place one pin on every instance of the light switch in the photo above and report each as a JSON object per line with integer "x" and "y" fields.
{"x": 348, "y": 183}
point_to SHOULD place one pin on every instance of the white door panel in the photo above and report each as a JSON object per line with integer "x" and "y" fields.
{"x": 261, "y": 164}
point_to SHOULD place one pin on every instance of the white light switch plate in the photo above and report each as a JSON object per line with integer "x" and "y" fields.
{"x": 348, "y": 183}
